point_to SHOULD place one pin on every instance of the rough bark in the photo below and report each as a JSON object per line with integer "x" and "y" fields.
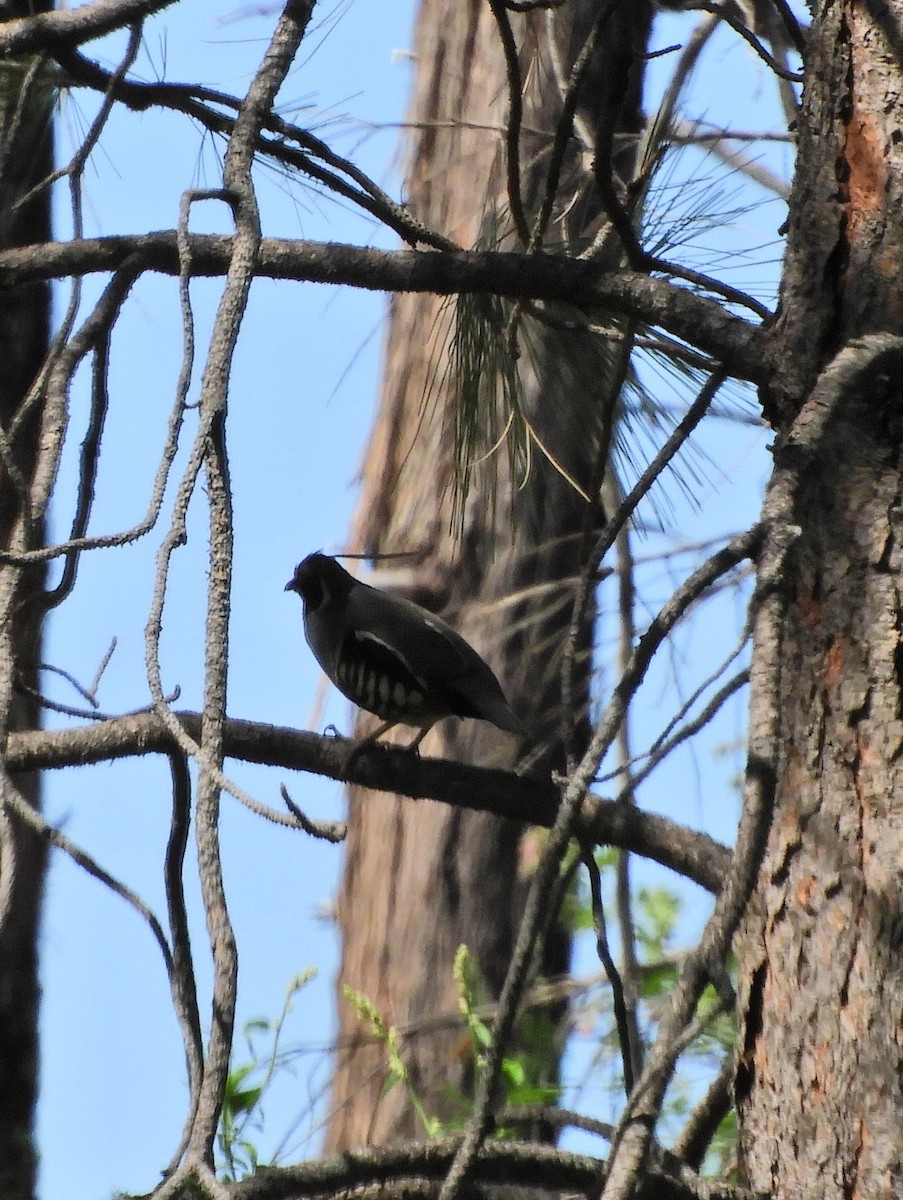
{"x": 421, "y": 879}
{"x": 24, "y": 338}
{"x": 819, "y": 1081}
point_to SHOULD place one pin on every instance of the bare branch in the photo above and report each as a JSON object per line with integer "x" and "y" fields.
{"x": 696, "y": 1136}
{"x": 72, "y": 26}
{"x": 24, "y": 100}
{"x": 388, "y": 769}
{"x": 625, "y": 1032}
{"x": 685, "y": 132}
{"x": 566, "y": 122}
{"x": 515, "y": 119}
{"x": 666, "y": 744}
{"x": 726, "y": 13}
{"x": 210, "y": 449}
{"x": 98, "y": 332}
{"x": 75, "y": 169}
{"x": 623, "y": 891}
{"x": 415, "y": 1170}
{"x": 792, "y": 25}
{"x": 19, "y": 808}
{"x": 329, "y": 831}
{"x": 196, "y": 102}
{"x": 616, "y": 523}
{"x": 182, "y": 981}
{"x": 738, "y": 344}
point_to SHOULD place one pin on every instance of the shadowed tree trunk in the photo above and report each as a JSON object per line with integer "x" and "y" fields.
{"x": 819, "y": 1083}
{"x": 26, "y": 152}
{"x": 422, "y": 878}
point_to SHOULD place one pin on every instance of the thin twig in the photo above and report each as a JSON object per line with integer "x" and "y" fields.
{"x": 726, "y": 13}
{"x": 660, "y": 128}
{"x": 33, "y": 78}
{"x": 564, "y": 126}
{"x": 696, "y": 1136}
{"x": 662, "y": 738}
{"x": 797, "y": 35}
{"x": 195, "y": 102}
{"x": 687, "y": 133}
{"x": 182, "y": 981}
{"x": 623, "y": 889}
{"x": 515, "y": 119}
{"x": 625, "y": 1031}
{"x": 666, "y": 747}
{"x": 107, "y": 311}
{"x": 17, "y": 806}
{"x": 50, "y": 384}
{"x": 607, "y": 537}
{"x": 328, "y": 831}
{"x": 75, "y": 169}
{"x": 86, "y": 714}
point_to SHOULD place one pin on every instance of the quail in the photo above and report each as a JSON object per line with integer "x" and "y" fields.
{"x": 392, "y": 657}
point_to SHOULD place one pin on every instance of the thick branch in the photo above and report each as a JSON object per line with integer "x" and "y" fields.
{"x": 697, "y": 319}
{"x": 533, "y": 801}
{"x": 387, "y": 1171}
{"x": 72, "y": 26}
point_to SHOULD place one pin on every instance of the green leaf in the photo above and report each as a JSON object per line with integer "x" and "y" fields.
{"x": 514, "y": 1072}
{"x": 391, "y": 1079}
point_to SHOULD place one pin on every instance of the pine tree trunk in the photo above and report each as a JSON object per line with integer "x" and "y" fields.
{"x": 421, "y": 878}
{"x": 24, "y": 340}
{"x": 820, "y": 1079}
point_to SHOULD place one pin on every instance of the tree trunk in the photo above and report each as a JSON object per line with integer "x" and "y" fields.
{"x": 819, "y": 1086}
{"x": 420, "y": 879}
{"x": 24, "y": 340}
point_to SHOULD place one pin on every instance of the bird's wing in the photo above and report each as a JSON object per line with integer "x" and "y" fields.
{"x": 436, "y": 654}
{"x": 426, "y": 644}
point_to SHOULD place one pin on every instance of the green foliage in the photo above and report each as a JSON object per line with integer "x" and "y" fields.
{"x": 658, "y": 911}
{"x": 523, "y": 1069}
{"x": 397, "y": 1073}
{"x": 526, "y": 1071}
{"x": 246, "y": 1086}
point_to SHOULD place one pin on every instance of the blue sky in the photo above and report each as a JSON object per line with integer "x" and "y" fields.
{"x": 301, "y": 403}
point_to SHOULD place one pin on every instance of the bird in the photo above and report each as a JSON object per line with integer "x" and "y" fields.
{"x": 393, "y": 658}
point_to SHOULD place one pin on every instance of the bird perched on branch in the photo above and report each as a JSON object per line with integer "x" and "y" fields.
{"x": 392, "y": 657}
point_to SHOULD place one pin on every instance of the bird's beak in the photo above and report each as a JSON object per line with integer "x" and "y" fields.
{"x": 288, "y": 586}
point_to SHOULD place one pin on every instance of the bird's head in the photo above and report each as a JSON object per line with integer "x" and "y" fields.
{"x": 319, "y": 579}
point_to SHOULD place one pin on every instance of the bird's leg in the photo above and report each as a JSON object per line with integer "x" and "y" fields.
{"x": 364, "y": 744}
{"x": 415, "y": 745}
{"x": 374, "y": 737}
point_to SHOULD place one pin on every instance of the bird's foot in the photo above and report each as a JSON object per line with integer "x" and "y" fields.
{"x": 353, "y": 754}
